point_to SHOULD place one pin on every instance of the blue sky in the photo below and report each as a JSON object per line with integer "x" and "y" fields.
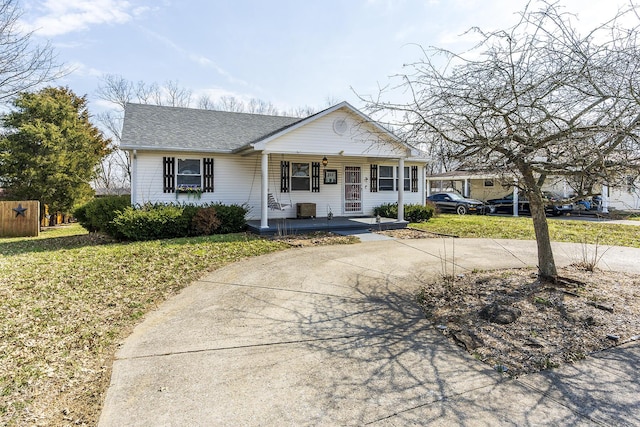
{"x": 291, "y": 53}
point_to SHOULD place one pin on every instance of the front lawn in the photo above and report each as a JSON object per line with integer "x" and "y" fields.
{"x": 494, "y": 227}
{"x": 68, "y": 298}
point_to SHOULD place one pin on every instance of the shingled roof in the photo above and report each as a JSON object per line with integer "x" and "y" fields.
{"x": 155, "y": 127}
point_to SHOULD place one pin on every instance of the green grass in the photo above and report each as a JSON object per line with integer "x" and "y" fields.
{"x": 495, "y": 227}
{"x": 67, "y": 298}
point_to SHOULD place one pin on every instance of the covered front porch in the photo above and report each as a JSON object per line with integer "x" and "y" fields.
{"x": 285, "y": 226}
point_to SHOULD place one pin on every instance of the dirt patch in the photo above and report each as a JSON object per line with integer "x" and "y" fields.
{"x": 316, "y": 239}
{"x": 546, "y": 324}
{"x": 408, "y": 233}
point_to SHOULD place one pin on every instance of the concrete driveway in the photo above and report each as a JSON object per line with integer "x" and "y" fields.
{"x": 332, "y": 336}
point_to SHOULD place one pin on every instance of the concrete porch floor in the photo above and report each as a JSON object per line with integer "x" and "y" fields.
{"x": 336, "y": 224}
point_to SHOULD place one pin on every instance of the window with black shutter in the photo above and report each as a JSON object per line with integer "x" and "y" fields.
{"x": 169, "y": 174}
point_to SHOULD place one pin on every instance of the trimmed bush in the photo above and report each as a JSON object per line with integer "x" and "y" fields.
{"x": 151, "y": 222}
{"x": 418, "y": 213}
{"x": 160, "y": 221}
{"x": 232, "y": 218}
{"x": 412, "y": 213}
{"x": 98, "y": 214}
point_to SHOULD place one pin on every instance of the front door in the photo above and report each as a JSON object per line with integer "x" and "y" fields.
{"x": 352, "y": 189}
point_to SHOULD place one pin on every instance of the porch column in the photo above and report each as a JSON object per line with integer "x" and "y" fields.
{"x": 401, "y": 189}
{"x": 605, "y": 199}
{"x": 264, "y": 204}
{"x": 426, "y": 192}
{"x": 515, "y": 200}
{"x": 466, "y": 187}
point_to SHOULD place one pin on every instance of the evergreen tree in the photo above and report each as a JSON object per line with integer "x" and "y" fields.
{"x": 50, "y": 150}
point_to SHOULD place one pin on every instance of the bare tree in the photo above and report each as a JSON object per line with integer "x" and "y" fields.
{"x": 301, "y": 111}
{"x": 206, "y": 103}
{"x": 532, "y": 102}
{"x": 258, "y": 106}
{"x": 176, "y": 96}
{"x": 23, "y": 66}
{"x": 116, "y": 90}
{"x": 115, "y": 171}
{"x": 231, "y": 104}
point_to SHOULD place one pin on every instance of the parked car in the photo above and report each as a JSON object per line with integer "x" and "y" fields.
{"x": 554, "y": 204}
{"x": 454, "y": 202}
{"x": 505, "y": 204}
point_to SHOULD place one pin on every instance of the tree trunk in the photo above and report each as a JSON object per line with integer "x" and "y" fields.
{"x": 546, "y": 263}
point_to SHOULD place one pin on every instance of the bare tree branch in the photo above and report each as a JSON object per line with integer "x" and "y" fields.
{"x": 23, "y": 66}
{"x": 534, "y": 102}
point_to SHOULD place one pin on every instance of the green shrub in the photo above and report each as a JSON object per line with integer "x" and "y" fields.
{"x": 387, "y": 210}
{"x": 160, "y": 221}
{"x": 98, "y": 214}
{"x": 418, "y": 213}
{"x": 412, "y": 213}
{"x": 232, "y": 218}
{"x": 151, "y": 222}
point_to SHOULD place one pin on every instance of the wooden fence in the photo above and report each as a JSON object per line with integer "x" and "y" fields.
{"x": 19, "y": 218}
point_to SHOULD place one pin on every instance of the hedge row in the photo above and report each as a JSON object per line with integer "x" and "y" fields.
{"x": 117, "y": 218}
{"x": 412, "y": 213}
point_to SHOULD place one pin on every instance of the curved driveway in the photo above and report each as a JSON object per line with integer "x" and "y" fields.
{"x": 332, "y": 336}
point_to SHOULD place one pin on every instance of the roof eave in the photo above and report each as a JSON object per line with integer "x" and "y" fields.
{"x": 180, "y": 149}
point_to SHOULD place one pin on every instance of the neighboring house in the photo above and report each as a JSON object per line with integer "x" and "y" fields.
{"x": 484, "y": 186}
{"x": 337, "y": 159}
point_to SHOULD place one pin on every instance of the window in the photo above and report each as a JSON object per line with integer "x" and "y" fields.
{"x": 388, "y": 178}
{"x": 188, "y": 175}
{"x": 300, "y": 179}
{"x": 488, "y": 183}
{"x": 385, "y": 178}
{"x": 407, "y": 178}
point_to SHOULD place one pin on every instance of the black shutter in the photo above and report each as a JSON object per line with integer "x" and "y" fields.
{"x": 207, "y": 175}
{"x": 284, "y": 176}
{"x": 169, "y": 174}
{"x": 315, "y": 177}
{"x": 374, "y": 178}
{"x": 414, "y": 179}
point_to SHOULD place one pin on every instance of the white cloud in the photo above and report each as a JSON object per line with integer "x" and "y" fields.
{"x": 196, "y": 58}
{"x": 65, "y": 16}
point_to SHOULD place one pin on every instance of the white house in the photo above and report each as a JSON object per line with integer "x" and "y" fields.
{"x": 337, "y": 161}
